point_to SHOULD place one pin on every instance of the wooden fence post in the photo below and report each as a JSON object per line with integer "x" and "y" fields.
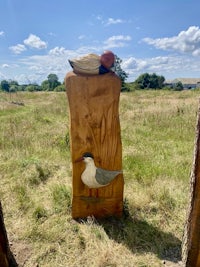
{"x": 191, "y": 238}
{"x": 95, "y": 128}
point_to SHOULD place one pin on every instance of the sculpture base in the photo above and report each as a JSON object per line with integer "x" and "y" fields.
{"x": 97, "y": 207}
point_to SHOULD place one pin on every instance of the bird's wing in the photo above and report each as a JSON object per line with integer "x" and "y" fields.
{"x": 104, "y": 177}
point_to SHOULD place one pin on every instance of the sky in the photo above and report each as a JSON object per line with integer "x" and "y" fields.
{"x": 38, "y": 37}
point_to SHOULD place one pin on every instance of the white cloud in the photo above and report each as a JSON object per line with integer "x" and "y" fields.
{"x": 57, "y": 51}
{"x": 26, "y": 78}
{"x": 99, "y": 17}
{"x": 117, "y": 41}
{"x": 186, "y": 41}
{"x": 5, "y": 66}
{"x": 51, "y": 34}
{"x": 2, "y": 76}
{"x": 2, "y": 33}
{"x": 134, "y": 64}
{"x": 81, "y": 37}
{"x": 17, "y": 49}
{"x": 67, "y": 54}
{"x": 9, "y": 66}
{"x": 109, "y": 21}
{"x": 37, "y": 67}
{"x": 168, "y": 66}
{"x": 34, "y": 41}
{"x": 196, "y": 52}
{"x": 83, "y": 50}
{"x": 114, "y": 21}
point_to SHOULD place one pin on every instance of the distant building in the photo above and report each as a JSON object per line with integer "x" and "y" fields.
{"x": 188, "y": 83}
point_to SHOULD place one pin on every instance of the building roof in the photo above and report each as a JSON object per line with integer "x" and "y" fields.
{"x": 185, "y": 80}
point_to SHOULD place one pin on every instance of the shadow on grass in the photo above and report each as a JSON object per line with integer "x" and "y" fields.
{"x": 141, "y": 237}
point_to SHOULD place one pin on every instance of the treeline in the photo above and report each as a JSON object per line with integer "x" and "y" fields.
{"x": 153, "y": 81}
{"x": 51, "y": 84}
{"x": 144, "y": 81}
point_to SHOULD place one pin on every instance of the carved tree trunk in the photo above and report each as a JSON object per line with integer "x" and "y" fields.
{"x": 191, "y": 239}
{"x": 95, "y": 128}
{"x": 6, "y": 257}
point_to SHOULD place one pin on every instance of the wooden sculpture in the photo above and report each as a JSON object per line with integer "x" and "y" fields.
{"x": 95, "y": 129}
{"x": 191, "y": 239}
{"x": 6, "y": 257}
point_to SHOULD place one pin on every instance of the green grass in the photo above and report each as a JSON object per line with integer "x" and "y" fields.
{"x": 158, "y": 133}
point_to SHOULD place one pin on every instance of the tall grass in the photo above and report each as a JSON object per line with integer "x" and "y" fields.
{"x": 158, "y": 131}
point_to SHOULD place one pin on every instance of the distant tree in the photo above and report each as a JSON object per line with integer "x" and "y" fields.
{"x": 178, "y": 86}
{"x": 13, "y": 88}
{"x": 60, "y": 88}
{"x": 5, "y": 86}
{"x": 156, "y": 81}
{"x": 33, "y": 87}
{"x": 12, "y": 82}
{"x": 22, "y": 87}
{"x": 9, "y": 86}
{"x": 120, "y": 72}
{"x": 149, "y": 81}
{"x": 161, "y": 81}
{"x": 30, "y": 88}
{"x": 53, "y": 81}
{"x": 143, "y": 81}
{"x": 45, "y": 85}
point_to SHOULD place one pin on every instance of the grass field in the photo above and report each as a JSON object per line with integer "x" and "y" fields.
{"x": 158, "y": 134}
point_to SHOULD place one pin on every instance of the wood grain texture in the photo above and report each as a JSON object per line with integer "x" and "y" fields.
{"x": 6, "y": 257}
{"x": 191, "y": 239}
{"x": 95, "y": 128}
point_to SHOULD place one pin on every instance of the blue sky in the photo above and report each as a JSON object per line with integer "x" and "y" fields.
{"x": 37, "y": 37}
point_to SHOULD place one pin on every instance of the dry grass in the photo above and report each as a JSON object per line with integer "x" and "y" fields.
{"x": 158, "y": 131}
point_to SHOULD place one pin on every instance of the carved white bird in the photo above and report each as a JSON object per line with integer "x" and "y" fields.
{"x": 95, "y": 177}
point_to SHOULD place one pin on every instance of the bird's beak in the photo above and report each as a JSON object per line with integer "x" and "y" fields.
{"x": 79, "y": 159}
